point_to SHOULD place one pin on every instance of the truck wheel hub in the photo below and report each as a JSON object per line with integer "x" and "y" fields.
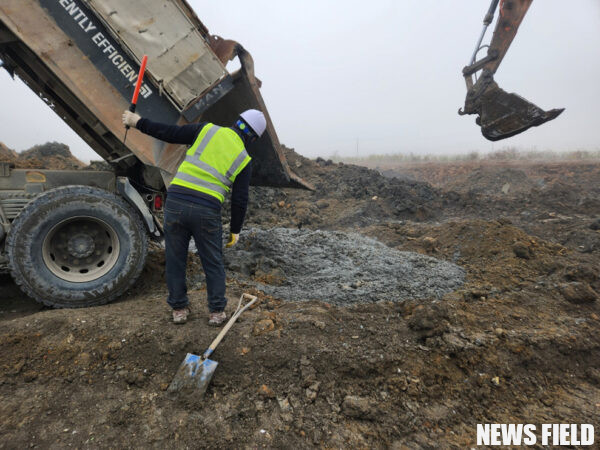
{"x": 81, "y": 245}
{"x": 81, "y": 249}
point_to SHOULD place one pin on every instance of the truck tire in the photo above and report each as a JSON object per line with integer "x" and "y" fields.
{"x": 76, "y": 246}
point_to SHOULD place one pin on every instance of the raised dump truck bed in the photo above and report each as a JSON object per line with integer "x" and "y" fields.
{"x": 77, "y": 238}
{"x": 82, "y": 57}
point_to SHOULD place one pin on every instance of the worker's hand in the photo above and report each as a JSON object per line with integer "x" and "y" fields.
{"x": 130, "y": 119}
{"x": 233, "y": 238}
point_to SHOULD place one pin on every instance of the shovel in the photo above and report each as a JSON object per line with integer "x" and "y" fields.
{"x": 196, "y": 371}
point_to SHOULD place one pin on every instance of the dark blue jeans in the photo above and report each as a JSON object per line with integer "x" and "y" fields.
{"x": 183, "y": 220}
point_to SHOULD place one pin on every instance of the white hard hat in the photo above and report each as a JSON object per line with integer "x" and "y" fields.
{"x": 256, "y": 120}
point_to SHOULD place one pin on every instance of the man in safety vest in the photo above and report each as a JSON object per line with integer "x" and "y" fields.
{"x": 215, "y": 163}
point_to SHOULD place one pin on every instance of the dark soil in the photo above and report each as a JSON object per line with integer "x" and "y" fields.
{"x": 517, "y": 343}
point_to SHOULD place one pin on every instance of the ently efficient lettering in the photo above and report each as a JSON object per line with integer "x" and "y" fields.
{"x": 98, "y": 38}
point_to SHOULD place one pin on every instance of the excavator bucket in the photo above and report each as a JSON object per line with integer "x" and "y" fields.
{"x": 503, "y": 114}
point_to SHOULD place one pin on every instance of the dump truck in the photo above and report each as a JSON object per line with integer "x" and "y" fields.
{"x": 80, "y": 238}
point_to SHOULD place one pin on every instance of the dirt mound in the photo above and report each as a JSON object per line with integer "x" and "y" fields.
{"x": 51, "y": 155}
{"x": 347, "y": 181}
{"x": 564, "y": 196}
{"x": 7, "y": 155}
{"x": 492, "y": 181}
{"x": 495, "y": 254}
{"x": 513, "y": 186}
{"x": 345, "y": 196}
{"x": 47, "y": 150}
{"x": 339, "y": 268}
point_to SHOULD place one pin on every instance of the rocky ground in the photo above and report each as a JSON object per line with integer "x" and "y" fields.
{"x": 508, "y": 334}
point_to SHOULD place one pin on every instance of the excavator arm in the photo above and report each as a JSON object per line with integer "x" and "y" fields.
{"x": 501, "y": 114}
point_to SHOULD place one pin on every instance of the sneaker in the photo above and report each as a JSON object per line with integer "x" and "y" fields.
{"x": 180, "y": 315}
{"x": 216, "y": 319}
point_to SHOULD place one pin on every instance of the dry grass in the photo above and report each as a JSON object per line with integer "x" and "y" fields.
{"x": 504, "y": 154}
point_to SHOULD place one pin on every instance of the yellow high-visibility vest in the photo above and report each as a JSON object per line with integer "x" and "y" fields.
{"x": 214, "y": 160}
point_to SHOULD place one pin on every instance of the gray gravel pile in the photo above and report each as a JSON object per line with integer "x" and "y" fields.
{"x": 336, "y": 267}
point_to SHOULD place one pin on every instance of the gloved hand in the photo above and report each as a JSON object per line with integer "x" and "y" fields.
{"x": 233, "y": 238}
{"x": 130, "y": 119}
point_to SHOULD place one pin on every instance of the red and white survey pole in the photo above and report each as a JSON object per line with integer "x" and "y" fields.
{"x": 136, "y": 93}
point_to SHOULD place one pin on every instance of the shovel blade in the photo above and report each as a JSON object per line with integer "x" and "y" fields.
{"x": 503, "y": 114}
{"x": 193, "y": 373}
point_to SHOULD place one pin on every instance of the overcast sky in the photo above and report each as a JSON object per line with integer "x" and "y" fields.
{"x": 386, "y": 73}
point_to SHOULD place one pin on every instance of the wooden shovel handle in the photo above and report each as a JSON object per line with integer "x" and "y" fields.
{"x": 229, "y": 324}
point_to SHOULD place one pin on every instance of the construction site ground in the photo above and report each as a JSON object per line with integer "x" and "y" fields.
{"x": 502, "y": 327}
